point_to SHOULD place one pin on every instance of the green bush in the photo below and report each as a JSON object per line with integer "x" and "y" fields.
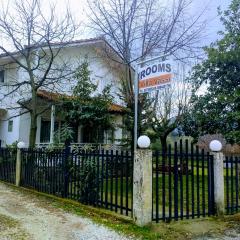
{"x": 88, "y": 183}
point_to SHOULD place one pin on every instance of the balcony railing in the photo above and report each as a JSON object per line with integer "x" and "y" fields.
{"x": 84, "y": 146}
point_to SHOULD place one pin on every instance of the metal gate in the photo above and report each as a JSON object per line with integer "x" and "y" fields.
{"x": 182, "y": 183}
{"x": 231, "y": 176}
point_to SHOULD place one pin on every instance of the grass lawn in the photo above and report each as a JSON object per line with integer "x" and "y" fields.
{"x": 192, "y": 193}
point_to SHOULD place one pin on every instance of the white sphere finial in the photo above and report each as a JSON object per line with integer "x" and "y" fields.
{"x": 143, "y": 141}
{"x": 215, "y": 146}
{"x": 21, "y": 145}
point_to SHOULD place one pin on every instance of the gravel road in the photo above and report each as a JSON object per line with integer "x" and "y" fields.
{"x": 25, "y": 217}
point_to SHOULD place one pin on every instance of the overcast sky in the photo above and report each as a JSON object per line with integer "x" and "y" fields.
{"x": 214, "y": 25}
{"x": 79, "y": 7}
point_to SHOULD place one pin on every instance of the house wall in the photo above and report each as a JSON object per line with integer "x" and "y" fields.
{"x": 5, "y": 136}
{"x": 103, "y": 72}
{"x": 8, "y": 99}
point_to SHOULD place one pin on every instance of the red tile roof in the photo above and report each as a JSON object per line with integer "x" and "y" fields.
{"x": 53, "y": 96}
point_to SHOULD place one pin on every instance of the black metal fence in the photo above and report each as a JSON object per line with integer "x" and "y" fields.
{"x": 182, "y": 183}
{"x": 99, "y": 178}
{"x": 8, "y": 164}
{"x": 231, "y": 176}
{"x": 183, "y": 179}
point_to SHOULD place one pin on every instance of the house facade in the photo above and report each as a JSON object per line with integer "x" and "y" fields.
{"x": 15, "y": 121}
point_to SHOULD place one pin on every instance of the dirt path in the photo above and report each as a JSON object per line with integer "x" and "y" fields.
{"x": 26, "y": 218}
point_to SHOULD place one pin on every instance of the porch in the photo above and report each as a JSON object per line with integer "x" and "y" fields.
{"x": 84, "y": 137}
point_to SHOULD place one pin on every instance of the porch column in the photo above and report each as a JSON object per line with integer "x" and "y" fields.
{"x": 52, "y": 123}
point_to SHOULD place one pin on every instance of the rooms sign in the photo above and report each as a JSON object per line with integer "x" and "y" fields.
{"x": 155, "y": 76}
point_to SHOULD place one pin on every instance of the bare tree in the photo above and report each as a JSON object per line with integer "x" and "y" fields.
{"x": 169, "y": 107}
{"x": 141, "y": 28}
{"x": 34, "y": 37}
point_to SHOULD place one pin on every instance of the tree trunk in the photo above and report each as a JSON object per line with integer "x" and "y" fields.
{"x": 33, "y": 114}
{"x": 33, "y": 131}
{"x": 163, "y": 140}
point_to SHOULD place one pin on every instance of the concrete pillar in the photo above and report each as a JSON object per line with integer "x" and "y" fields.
{"x": 142, "y": 187}
{"x": 218, "y": 182}
{"x": 52, "y": 123}
{"x": 18, "y": 167}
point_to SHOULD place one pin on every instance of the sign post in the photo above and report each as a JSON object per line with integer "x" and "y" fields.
{"x": 135, "y": 109}
{"x": 153, "y": 77}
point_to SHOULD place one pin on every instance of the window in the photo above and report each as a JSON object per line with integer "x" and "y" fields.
{"x": 10, "y": 125}
{"x": 2, "y": 76}
{"x": 93, "y": 135}
{"x": 45, "y": 131}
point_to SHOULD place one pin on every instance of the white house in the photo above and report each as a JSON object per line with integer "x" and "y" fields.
{"x": 15, "y": 124}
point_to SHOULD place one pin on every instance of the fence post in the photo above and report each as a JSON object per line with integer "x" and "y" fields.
{"x": 66, "y": 169}
{"x": 218, "y": 158}
{"x": 142, "y": 187}
{"x": 18, "y": 167}
{"x": 20, "y": 146}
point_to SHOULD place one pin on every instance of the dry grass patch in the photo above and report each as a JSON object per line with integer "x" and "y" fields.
{"x": 11, "y": 229}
